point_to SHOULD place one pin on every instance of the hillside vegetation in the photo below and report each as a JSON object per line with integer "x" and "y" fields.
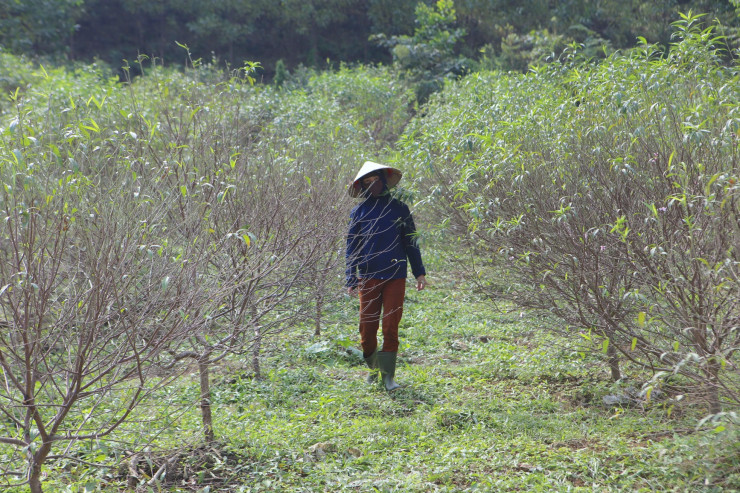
{"x": 317, "y": 33}
{"x": 171, "y": 277}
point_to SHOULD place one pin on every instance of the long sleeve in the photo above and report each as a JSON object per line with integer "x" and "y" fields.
{"x": 353, "y": 250}
{"x": 411, "y": 245}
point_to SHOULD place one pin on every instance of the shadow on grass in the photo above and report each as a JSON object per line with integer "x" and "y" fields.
{"x": 413, "y": 397}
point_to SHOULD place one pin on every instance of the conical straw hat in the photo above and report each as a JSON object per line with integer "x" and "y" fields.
{"x": 392, "y": 177}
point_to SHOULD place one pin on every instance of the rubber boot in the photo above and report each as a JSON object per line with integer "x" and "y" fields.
{"x": 387, "y": 365}
{"x": 372, "y": 363}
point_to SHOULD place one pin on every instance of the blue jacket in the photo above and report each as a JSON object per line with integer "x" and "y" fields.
{"x": 381, "y": 238}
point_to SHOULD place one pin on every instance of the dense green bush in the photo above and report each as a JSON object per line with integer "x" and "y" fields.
{"x": 428, "y": 57}
{"x": 15, "y": 72}
{"x": 38, "y": 26}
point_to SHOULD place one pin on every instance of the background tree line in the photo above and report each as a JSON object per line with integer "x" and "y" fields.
{"x": 508, "y": 34}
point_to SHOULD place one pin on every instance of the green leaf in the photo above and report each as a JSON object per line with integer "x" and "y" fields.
{"x": 165, "y": 283}
{"x": 18, "y": 155}
{"x": 634, "y": 344}
{"x": 605, "y": 345}
{"x": 249, "y": 238}
{"x": 93, "y": 126}
{"x": 184, "y": 190}
{"x": 640, "y": 320}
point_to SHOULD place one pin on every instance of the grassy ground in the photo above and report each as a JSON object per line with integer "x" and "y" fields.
{"x": 490, "y": 402}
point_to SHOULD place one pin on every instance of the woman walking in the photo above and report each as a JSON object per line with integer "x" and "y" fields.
{"x": 380, "y": 243}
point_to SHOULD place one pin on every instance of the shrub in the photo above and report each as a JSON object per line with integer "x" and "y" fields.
{"x": 179, "y": 215}
{"x": 607, "y": 195}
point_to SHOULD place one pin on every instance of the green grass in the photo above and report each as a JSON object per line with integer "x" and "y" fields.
{"x": 490, "y": 401}
{"x": 518, "y": 412}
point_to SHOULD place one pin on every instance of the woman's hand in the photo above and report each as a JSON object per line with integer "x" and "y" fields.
{"x": 421, "y": 283}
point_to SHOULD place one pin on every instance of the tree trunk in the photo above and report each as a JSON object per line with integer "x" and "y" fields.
{"x": 205, "y": 396}
{"x": 256, "y": 352}
{"x": 319, "y": 308}
{"x": 133, "y": 472}
{"x": 34, "y": 480}
{"x": 713, "y": 370}
{"x": 613, "y": 357}
{"x": 34, "y": 475}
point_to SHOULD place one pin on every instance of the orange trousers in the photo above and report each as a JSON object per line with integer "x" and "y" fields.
{"x": 378, "y": 295}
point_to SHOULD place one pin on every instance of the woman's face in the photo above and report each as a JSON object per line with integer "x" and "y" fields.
{"x": 373, "y": 184}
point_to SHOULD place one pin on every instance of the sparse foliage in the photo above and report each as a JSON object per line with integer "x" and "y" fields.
{"x": 609, "y": 199}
